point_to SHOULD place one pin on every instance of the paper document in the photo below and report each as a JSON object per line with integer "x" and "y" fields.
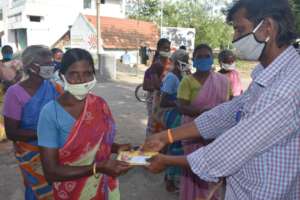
{"x": 137, "y": 158}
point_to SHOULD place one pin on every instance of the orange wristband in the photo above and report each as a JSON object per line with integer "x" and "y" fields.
{"x": 170, "y": 136}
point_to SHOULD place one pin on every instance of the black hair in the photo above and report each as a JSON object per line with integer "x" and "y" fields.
{"x": 279, "y": 10}
{"x": 74, "y": 55}
{"x": 202, "y": 46}
{"x": 182, "y": 47}
{"x": 55, "y": 51}
{"x": 6, "y": 49}
{"x": 223, "y": 55}
{"x": 160, "y": 43}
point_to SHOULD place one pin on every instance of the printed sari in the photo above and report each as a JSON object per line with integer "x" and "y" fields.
{"x": 214, "y": 92}
{"x": 90, "y": 141}
{"x": 27, "y": 153}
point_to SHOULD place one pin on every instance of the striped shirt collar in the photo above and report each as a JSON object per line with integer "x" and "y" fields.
{"x": 264, "y": 76}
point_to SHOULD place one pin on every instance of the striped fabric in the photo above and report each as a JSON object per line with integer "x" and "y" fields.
{"x": 257, "y": 144}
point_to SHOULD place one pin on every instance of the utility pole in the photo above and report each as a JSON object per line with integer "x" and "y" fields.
{"x": 98, "y": 27}
{"x": 138, "y": 41}
{"x": 161, "y": 16}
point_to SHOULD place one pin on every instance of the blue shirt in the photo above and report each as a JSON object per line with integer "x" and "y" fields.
{"x": 126, "y": 59}
{"x": 54, "y": 125}
{"x": 170, "y": 85}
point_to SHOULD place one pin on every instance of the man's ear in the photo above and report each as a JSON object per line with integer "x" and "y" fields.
{"x": 271, "y": 28}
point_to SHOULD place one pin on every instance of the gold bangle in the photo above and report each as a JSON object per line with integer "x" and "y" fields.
{"x": 95, "y": 170}
{"x": 170, "y": 136}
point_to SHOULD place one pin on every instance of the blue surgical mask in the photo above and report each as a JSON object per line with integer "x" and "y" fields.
{"x": 203, "y": 64}
{"x": 8, "y": 56}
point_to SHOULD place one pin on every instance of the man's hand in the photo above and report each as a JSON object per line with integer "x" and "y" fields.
{"x": 113, "y": 168}
{"x": 157, "y": 164}
{"x": 155, "y": 142}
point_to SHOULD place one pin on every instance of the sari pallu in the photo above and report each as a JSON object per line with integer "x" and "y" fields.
{"x": 236, "y": 85}
{"x": 90, "y": 141}
{"x": 214, "y": 92}
{"x": 27, "y": 154}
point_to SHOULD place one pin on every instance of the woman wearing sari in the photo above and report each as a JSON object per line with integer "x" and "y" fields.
{"x": 153, "y": 78}
{"x": 168, "y": 113}
{"x": 76, "y": 136}
{"x": 198, "y": 93}
{"x": 228, "y": 68}
{"x": 22, "y": 105}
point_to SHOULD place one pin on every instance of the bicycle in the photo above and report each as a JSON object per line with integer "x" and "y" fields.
{"x": 140, "y": 94}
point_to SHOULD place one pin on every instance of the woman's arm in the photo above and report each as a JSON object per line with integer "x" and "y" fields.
{"x": 186, "y": 108}
{"x": 165, "y": 102}
{"x": 55, "y": 172}
{"x": 14, "y": 133}
{"x": 147, "y": 85}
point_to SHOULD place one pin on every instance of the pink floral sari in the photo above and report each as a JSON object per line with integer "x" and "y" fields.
{"x": 214, "y": 92}
{"x": 90, "y": 141}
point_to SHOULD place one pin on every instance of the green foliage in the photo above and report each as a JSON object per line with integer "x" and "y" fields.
{"x": 210, "y": 29}
{"x": 295, "y": 4}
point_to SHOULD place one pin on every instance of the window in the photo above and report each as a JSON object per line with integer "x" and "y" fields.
{"x": 35, "y": 18}
{"x": 87, "y": 4}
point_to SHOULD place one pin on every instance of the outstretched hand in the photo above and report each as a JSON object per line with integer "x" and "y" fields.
{"x": 157, "y": 164}
{"x": 154, "y": 143}
{"x": 113, "y": 168}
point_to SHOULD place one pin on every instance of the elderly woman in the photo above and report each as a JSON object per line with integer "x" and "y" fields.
{"x": 22, "y": 105}
{"x": 76, "y": 136}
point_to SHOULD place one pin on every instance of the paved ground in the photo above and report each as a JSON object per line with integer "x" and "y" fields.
{"x": 130, "y": 116}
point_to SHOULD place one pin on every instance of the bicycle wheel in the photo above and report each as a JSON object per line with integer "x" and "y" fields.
{"x": 140, "y": 93}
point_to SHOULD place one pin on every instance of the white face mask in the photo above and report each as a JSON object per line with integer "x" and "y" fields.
{"x": 46, "y": 71}
{"x": 248, "y": 47}
{"x": 165, "y": 54}
{"x": 228, "y": 66}
{"x": 79, "y": 91}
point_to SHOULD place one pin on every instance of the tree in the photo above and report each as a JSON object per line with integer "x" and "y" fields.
{"x": 148, "y": 10}
{"x": 210, "y": 28}
{"x": 295, "y": 4}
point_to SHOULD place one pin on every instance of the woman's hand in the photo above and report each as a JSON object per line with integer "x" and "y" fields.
{"x": 155, "y": 142}
{"x": 113, "y": 168}
{"x": 157, "y": 164}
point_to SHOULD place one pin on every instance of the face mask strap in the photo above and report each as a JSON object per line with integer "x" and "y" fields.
{"x": 258, "y": 26}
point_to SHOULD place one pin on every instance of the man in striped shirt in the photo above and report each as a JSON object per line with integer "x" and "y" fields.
{"x": 257, "y": 135}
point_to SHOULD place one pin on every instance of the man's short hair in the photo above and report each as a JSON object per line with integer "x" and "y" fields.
{"x": 279, "y": 10}
{"x": 6, "y": 49}
{"x": 55, "y": 51}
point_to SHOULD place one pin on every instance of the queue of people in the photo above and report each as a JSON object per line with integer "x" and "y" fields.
{"x": 252, "y": 140}
{"x": 215, "y": 140}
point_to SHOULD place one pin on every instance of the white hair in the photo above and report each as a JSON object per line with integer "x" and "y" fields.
{"x": 35, "y": 54}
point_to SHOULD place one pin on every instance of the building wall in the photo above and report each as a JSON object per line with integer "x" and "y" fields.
{"x": 56, "y": 17}
{"x": 83, "y": 35}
